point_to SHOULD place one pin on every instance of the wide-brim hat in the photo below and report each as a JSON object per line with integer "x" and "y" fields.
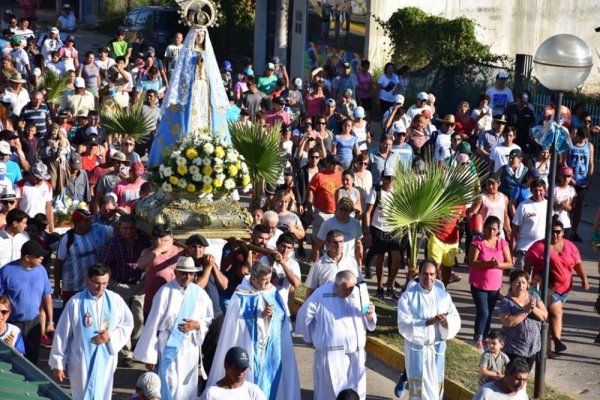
{"x": 17, "y": 78}
{"x": 448, "y": 119}
{"x": 40, "y": 171}
{"x": 501, "y": 118}
{"x": 186, "y": 264}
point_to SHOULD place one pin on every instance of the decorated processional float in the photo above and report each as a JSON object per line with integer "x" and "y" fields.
{"x": 199, "y": 162}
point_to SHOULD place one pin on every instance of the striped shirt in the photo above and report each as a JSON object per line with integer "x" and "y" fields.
{"x": 39, "y": 116}
{"x": 84, "y": 252}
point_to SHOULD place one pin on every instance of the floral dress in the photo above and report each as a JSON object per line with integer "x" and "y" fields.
{"x": 524, "y": 339}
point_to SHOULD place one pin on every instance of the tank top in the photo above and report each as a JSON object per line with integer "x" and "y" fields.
{"x": 89, "y": 74}
{"x": 495, "y": 207}
{"x": 364, "y": 79}
{"x": 579, "y": 160}
{"x": 361, "y": 134}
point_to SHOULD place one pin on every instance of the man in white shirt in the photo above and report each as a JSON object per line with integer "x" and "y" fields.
{"x": 500, "y": 153}
{"x": 104, "y": 62}
{"x": 66, "y": 22}
{"x": 172, "y": 52}
{"x": 419, "y": 107}
{"x": 529, "y": 222}
{"x": 52, "y": 43}
{"x": 36, "y": 193}
{"x": 19, "y": 57}
{"x": 512, "y": 386}
{"x": 13, "y": 236}
{"x": 500, "y": 95}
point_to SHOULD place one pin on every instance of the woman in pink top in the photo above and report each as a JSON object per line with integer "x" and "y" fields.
{"x": 489, "y": 255}
{"x": 364, "y": 90}
{"x": 315, "y": 100}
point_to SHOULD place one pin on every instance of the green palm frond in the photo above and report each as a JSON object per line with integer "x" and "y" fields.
{"x": 55, "y": 86}
{"x": 262, "y": 152}
{"x": 130, "y": 121}
{"x": 425, "y": 203}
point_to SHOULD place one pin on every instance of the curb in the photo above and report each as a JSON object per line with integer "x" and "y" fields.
{"x": 393, "y": 357}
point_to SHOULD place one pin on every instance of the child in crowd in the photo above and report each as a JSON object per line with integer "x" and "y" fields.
{"x": 493, "y": 360}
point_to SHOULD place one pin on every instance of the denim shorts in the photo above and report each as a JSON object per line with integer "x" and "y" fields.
{"x": 560, "y": 297}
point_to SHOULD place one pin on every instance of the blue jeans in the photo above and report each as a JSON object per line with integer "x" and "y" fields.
{"x": 485, "y": 302}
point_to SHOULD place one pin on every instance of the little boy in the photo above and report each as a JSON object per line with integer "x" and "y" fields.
{"x": 493, "y": 361}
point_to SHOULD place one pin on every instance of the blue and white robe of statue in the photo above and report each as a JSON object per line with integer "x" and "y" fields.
{"x": 195, "y": 100}
{"x": 268, "y": 343}
{"x": 425, "y": 346}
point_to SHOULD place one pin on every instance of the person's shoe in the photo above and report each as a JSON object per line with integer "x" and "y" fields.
{"x": 380, "y": 294}
{"x": 559, "y": 346}
{"x": 575, "y": 237}
{"x": 397, "y": 285}
{"x": 400, "y": 388}
{"x": 368, "y": 273}
{"x": 391, "y": 293}
{"x": 126, "y": 363}
{"x": 454, "y": 277}
{"x": 45, "y": 341}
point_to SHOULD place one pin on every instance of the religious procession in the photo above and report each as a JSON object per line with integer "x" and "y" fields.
{"x": 188, "y": 217}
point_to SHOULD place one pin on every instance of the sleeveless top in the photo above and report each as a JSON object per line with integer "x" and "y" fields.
{"x": 89, "y": 74}
{"x": 579, "y": 160}
{"x": 495, "y": 207}
{"x": 364, "y": 78}
{"x": 361, "y": 134}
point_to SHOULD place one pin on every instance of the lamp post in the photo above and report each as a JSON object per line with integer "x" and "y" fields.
{"x": 562, "y": 62}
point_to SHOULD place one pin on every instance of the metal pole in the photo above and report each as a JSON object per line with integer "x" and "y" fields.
{"x": 540, "y": 365}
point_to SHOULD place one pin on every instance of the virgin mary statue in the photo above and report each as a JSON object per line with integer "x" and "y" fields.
{"x": 195, "y": 101}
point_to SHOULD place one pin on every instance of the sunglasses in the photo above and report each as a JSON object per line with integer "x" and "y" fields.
{"x": 7, "y": 202}
{"x": 321, "y": 123}
{"x": 587, "y": 121}
{"x": 558, "y": 232}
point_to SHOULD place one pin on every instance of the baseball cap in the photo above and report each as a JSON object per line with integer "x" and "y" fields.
{"x": 275, "y": 60}
{"x": 40, "y": 170}
{"x": 249, "y": 71}
{"x": 79, "y": 82}
{"x": 359, "y": 112}
{"x": 566, "y": 171}
{"x": 330, "y": 102}
{"x": 502, "y": 75}
{"x": 399, "y": 99}
{"x": 237, "y": 357}
{"x": 70, "y": 38}
{"x": 196, "y": 239}
{"x": 33, "y": 248}
{"x": 54, "y": 30}
{"x": 5, "y": 148}
{"x": 494, "y": 177}
{"x": 120, "y": 157}
{"x": 464, "y": 148}
{"x": 150, "y": 50}
{"x": 387, "y": 173}
{"x": 279, "y": 100}
{"x": 347, "y": 65}
{"x": 515, "y": 153}
{"x": 92, "y": 139}
{"x": 398, "y": 127}
{"x": 348, "y": 93}
{"x": 422, "y": 96}
{"x": 81, "y": 214}
{"x": 298, "y": 83}
{"x": 7, "y": 134}
{"x": 227, "y": 66}
{"x": 15, "y": 39}
{"x": 149, "y": 384}
{"x": 137, "y": 168}
{"x": 75, "y": 161}
{"x": 271, "y": 66}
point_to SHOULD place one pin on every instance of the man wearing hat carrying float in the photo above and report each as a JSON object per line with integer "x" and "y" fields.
{"x": 174, "y": 331}
{"x": 94, "y": 325}
{"x": 234, "y": 385}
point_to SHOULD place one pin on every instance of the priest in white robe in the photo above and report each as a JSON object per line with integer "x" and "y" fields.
{"x": 256, "y": 320}
{"x": 427, "y": 318}
{"x": 334, "y": 321}
{"x": 94, "y": 326}
{"x": 174, "y": 331}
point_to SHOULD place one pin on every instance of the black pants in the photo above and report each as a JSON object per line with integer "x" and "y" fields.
{"x": 32, "y": 332}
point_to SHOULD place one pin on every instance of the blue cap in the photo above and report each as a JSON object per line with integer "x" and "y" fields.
{"x": 227, "y": 66}
{"x": 237, "y": 357}
{"x": 249, "y": 71}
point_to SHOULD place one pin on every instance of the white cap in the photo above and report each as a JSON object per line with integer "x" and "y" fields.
{"x": 399, "y": 99}
{"x": 298, "y": 83}
{"x": 423, "y": 96}
{"x": 54, "y": 30}
{"x": 37, "y": 71}
{"x": 5, "y": 148}
{"x": 330, "y": 102}
{"x": 502, "y": 75}
{"x": 79, "y": 82}
{"x": 398, "y": 127}
{"x": 149, "y": 384}
{"x": 271, "y": 66}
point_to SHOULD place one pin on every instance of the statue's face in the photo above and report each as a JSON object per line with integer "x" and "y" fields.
{"x": 201, "y": 37}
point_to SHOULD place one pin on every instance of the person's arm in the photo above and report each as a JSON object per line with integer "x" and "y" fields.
{"x": 358, "y": 252}
{"x": 473, "y": 259}
{"x": 486, "y": 373}
{"x": 507, "y": 263}
{"x": 367, "y": 224}
{"x": 148, "y": 256}
{"x": 289, "y": 273}
{"x": 208, "y": 265}
{"x": 50, "y": 215}
{"x": 591, "y": 168}
{"x": 581, "y": 273}
{"x": 21, "y": 156}
{"x": 316, "y": 248}
{"x": 220, "y": 279}
{"x": 514, "y": 237}
{"x": 506, "y": 225}
{"x": 49, "y": 310}
{"x": 538, "y": 310}
{"x": 475, "y": 207}
{"x": 512, "y": 320}
{"x": 58, "y": 266}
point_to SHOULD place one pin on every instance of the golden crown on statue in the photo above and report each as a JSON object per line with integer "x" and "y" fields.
{"x": 197, "y": 13}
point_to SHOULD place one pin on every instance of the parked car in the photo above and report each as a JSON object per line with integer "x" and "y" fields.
{"x": 152, "y": 26}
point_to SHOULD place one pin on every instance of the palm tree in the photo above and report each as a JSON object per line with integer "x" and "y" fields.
{"x": 55, "y": 87}
{"x": 261, "y": 148}
{"x": 130, "y": 121}
{"x": 424, "y": 201}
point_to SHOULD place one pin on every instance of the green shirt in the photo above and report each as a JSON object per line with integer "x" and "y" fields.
{"x": 119, "y": 48}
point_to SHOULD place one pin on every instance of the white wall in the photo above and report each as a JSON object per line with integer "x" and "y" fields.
{"x": 507, "y": 26}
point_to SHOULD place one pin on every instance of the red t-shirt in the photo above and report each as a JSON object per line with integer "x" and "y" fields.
{"x": 162, "y": 271}
{"x": 450, "y": 233}
{"x": 561, "y": 265}
{"x": 464, "y": 127}
{"x": 324, "y": 184}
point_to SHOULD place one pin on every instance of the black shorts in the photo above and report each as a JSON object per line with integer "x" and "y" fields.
{"x": 383, "y": 242}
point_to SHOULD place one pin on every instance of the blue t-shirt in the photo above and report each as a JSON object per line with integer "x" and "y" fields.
{"x": 25, "y": 288}
{"x": 345, "y": 148}
{"x": 13, "y": 171}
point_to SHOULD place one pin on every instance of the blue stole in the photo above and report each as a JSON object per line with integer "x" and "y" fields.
{"x": 268, "y": 367}
{"x": 97, "y": 357}
{"x": 175, "y": 338}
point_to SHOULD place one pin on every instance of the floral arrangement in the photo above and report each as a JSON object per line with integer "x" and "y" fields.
{"x": 205, "y": 165}
{"x": 63, "y": 207}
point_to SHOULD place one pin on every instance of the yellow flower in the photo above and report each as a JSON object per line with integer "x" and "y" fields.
{"x": 191, "y": 153}
{"x": 217, "y": 183}
{"x": 233, "y": 170}
{"x": 173, "y": 180}
{"x": 182, "y": 169}
{"x": 207, "y": 170}
{"x": 245, "y": 180}
{"x": 238, "y": 164}
{"x": 219, "y": 152}
{"x": 207, "y": 188}
{"x": 190, "y": 188}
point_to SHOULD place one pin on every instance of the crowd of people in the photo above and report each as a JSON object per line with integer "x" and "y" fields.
{"x": 223, "y": 313}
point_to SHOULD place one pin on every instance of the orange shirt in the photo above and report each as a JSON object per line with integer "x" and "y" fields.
{"x": 324, "y": 184}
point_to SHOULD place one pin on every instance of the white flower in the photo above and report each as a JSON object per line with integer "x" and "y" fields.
{"x": 197, "y": 177}
{"x": 206, "y": 162}
{"x": 235, "y": 196}
{"x": 231, "y": 156}
{"x": 244, "y": 168}
{"x": 207, "y": 179}
{"x": 208, "y": 148}
{"x": 229, "y": 184}
{"x": 197, "y": 161}
{"x": 194, "y": 169}
{"x": 218, "y": 161}
{"x": 218, "y": 168}
{"x": 247, "y": 188}
{"x": 167, "y": 172}
{"x": 182, "y": 183}
{"x": 221, "y": 177}
{"x": 181, "y": 161}
{"x": 166, "y": 187}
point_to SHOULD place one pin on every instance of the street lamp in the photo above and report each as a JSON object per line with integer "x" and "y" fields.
{"x": 562, "y": 62}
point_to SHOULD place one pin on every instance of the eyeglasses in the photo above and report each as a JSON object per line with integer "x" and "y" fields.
{"x": 321, "y": 123}
{"x": 558, "y": 232}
